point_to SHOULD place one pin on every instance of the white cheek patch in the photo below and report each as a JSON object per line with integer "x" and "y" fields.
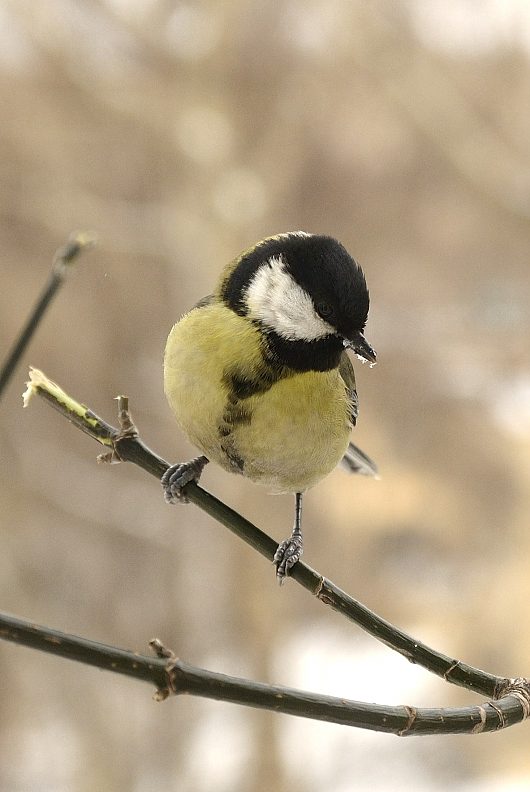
{"x": 275, "y": 299}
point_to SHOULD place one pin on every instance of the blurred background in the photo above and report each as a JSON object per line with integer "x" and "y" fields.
{"x": 182, "y": 132}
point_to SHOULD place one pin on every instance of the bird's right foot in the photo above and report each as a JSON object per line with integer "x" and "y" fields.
{"x": 286, "y": 556}
{"x": 177, "y": 476}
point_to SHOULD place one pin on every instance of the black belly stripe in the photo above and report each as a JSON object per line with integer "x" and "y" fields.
{"x": 236, "y": 413}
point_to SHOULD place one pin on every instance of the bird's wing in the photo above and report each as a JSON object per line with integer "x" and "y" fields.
{"x": 356, "y": 461}
{"x": 348, "y": 375}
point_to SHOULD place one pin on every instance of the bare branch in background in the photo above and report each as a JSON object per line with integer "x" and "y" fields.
{"x": 63, "y": 258}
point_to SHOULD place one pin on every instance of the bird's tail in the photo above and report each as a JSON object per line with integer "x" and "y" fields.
{"x": 356, "y": 461}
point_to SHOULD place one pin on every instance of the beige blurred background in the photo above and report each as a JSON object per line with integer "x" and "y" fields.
{"x": 181, "y": 133}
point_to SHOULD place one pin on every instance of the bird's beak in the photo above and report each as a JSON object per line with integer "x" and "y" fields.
{"x": 362, "y": 348}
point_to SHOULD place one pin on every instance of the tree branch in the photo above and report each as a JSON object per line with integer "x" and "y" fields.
{"x": 125, "y": 445}
{"x": 62, "y": 259}
{"x": 172, "y": 676}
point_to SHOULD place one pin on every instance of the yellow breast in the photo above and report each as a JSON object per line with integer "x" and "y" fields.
{"x": 287, "y": 436}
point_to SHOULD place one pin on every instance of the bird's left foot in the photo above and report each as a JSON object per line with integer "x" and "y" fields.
{"x": 286, "y": 556}
{"x": 177, "y": 476}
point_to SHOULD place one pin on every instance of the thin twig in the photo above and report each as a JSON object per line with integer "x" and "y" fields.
{"x": 125, "y": 445}
{"x": 172, "y": 676}
{"x": 62, "y": 259}
{"x": 121, "y": 661}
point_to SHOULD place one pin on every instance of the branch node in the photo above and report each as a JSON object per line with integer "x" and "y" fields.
{"x": 161, "y": 651}
{"x": 500, "y": 715}
{"x": 482, "y": 722}
{"x": 322, "y": 594}
{"x": 412, "y": 715}
{"x": 447, "y": 674}
{"x": 125, "y": 421}
{"x": 161, "y": 694}
{"x": 109, "y": 458}
{"x": 518, "y": 688}
{"x": 127, "y": 431}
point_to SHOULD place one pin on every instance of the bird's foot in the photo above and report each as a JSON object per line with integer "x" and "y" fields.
{"x": 286, "y": 556}
{"x": 177, "y": 476}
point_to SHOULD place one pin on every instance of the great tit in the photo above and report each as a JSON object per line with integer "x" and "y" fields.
{"x": 258, "y": 376}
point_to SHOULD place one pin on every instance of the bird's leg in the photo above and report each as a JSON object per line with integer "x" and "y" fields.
{"x": 290, "y": 550}
{"x": 177, "y": 476}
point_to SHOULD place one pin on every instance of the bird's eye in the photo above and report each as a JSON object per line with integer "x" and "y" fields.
{"x": 324, "y": 309}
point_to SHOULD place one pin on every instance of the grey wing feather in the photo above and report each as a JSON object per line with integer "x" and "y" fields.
{"x": 348, "y": 375}
{"x": 354, "y": 460}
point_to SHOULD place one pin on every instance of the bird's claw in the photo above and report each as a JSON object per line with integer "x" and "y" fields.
{"x": 286, "y": 556}
{"x": 177, "y": 476}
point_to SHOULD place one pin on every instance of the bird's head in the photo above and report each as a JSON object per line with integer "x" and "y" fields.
{"x": 306, "y": 294}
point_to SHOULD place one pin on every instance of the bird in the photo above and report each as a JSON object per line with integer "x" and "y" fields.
{"x": 259, "y": 377}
